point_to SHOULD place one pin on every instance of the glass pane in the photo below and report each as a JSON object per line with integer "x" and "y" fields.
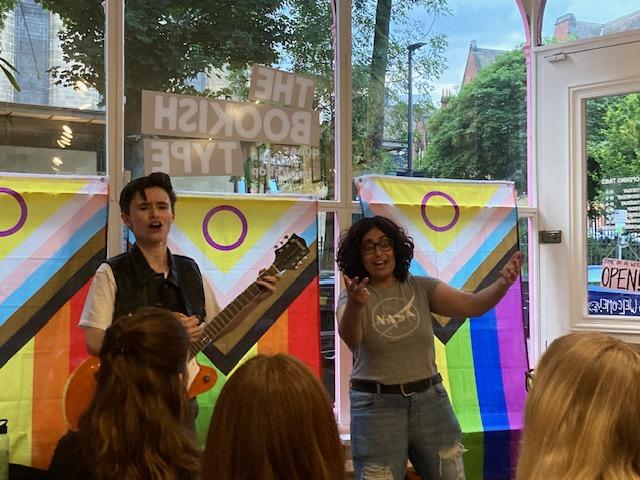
{"x": 289, "y": 36}
{"x": 53, "y": 118}
{"x": 566, "y": 21}
{"x": 523, "y": 238}
{"x": 326, "y": 259}
{"x": 462, "y": 70}
{"x": 613, "y": 186}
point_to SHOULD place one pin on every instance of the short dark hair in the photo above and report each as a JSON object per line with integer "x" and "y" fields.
{"x": 348, "y": 256}
{"x": 139, "y": 185}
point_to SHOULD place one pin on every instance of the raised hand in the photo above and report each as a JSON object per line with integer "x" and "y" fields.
{"x": 511, "y": 270}
{"x": 357, "y": 291}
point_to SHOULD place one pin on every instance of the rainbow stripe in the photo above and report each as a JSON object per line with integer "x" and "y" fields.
{"x": 53, "y": 239}
{"x": 46, "y": 264}
{"x": 463, "y": 233}
{"x": 231, "y": 239}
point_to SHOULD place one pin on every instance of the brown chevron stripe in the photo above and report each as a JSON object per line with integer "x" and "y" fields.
{"x": 28, "y": 318}
{"x": 229, "y": 350}
{"x": 486, "y": 273}
{"x": 476, "y": 280}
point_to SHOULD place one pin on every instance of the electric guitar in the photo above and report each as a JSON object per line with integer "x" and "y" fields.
{"x": 81, "y": 385}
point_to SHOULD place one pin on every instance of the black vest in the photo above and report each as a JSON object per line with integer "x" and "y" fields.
{"x": 138, "y": 285}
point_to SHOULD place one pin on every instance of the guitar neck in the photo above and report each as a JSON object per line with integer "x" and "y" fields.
{"x": 221, "y": 321}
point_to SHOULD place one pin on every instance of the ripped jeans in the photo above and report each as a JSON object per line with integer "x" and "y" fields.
{"x": 388, "y": 428}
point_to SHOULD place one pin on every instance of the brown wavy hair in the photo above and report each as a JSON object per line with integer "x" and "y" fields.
{"x": 348, "y": 256}
{"x": 581, "y": 418}
{"x": 273, "y": 420}
{"x": 136, "y": 425}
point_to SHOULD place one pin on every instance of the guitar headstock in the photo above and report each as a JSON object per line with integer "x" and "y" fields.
{"x": 291, "y": 254}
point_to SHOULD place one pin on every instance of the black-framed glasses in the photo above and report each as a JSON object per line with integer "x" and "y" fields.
{"x": 528, "y": 378}
{"x": 368, "y": 247}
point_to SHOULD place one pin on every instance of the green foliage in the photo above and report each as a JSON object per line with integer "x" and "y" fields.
{"x": 429, "y": 62}
{"x": 481, "y": 132}
{"x": 167, "y": 43}
{"x": 396, "y": 120}
{"x": 5, "y": 7}
{"x": 309, "y": 49}
{"x": 380, "y": 67}
{"x": 7, "y": 68}
{"x": 615, "y": 145}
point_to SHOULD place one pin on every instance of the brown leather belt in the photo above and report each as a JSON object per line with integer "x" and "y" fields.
{"x": 405, "y": 389}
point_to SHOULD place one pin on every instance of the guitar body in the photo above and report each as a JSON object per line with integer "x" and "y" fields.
{"x": 201, "y": 378}
{"x": 81, "y": 387}
{"x": 79, "y": 391}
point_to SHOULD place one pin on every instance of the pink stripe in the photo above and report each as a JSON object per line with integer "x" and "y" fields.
{"x": 468, "y": 250}
{"x": 51, "y": 245}
{"x": 265, "y": 260}
{"x": 464, "y": 252}
{"x": 513, "y": 355}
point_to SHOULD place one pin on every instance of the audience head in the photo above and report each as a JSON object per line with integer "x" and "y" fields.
{"x": 349, "y": 259}
{"x": 136, "y": 425}
{"x": 139, "y": 185}
{"x": 581, "y": 419}
{"x": 273, "y": 420}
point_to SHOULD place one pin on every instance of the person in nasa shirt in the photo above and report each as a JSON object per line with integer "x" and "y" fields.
{"x": 399, "y": 407}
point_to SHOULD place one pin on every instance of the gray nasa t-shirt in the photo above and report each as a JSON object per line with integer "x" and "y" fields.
{"x": 397, "y": 342}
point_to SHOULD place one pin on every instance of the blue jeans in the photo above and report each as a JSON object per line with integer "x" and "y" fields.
{"x": 388, "y": 428}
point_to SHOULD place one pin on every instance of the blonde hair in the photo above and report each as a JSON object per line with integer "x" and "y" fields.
{"x": 273, "y": 420}
{"x": 581, "y": 418}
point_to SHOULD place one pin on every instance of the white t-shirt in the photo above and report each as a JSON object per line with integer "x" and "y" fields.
{"x": 100, "y": 305}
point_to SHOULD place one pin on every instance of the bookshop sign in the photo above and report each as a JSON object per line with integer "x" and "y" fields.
{"x": 210, "y": 132}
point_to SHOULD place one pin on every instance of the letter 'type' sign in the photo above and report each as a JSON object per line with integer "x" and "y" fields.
{"x": 209, "y": 131}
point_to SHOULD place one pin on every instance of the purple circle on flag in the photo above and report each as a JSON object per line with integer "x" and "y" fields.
{"x": 207, "y": 219}
{"x": 23, "y": 212}
{"x": 423, "y": 210}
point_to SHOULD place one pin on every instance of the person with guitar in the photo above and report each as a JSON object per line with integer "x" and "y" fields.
{"x": 150, "y": 275}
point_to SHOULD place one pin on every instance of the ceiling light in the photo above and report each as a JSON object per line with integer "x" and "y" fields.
{"x": 60, "y": 144}
{"x": 57, "y": 161}
{"x": 67, "y": 129}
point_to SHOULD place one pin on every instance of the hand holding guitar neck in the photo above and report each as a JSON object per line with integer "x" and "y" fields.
{"x": 192, "y": 326}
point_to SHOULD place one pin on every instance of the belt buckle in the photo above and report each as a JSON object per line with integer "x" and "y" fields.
{"x": 405, "y": 394}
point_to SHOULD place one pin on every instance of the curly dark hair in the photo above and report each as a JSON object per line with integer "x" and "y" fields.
{"x": 348, "y": 256}
{"x": 139, "y": 185}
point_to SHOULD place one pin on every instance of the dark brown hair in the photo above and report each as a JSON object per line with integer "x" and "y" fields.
{"x": 136, "y": 425}
{"x": 139, "y": 185}
{"x": 273, "y": 420}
